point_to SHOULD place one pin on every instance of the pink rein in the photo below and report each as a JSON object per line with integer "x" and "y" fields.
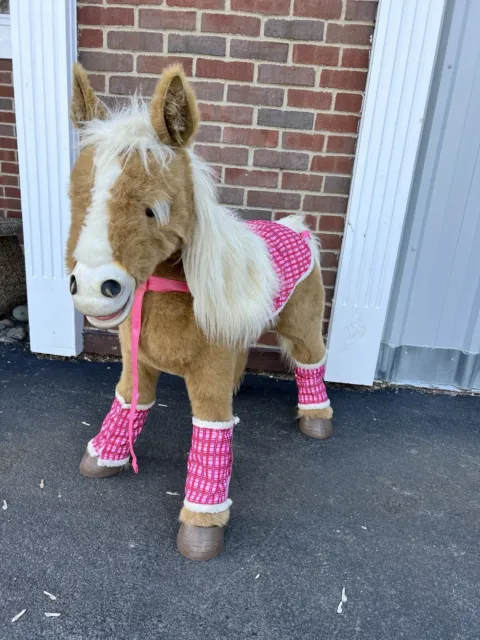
{"x": 160, "y": 285}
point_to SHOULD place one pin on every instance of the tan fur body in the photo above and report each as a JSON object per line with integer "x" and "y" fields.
{"x": 170, "y": 339}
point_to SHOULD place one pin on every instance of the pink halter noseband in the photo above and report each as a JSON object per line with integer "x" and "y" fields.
{"x": 160, "y": 285}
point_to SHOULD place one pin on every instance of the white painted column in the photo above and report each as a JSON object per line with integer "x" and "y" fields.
{"x": 403, "y": 58}
{"x": 44, "y": 47}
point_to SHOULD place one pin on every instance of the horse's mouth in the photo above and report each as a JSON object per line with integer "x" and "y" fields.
{"x": 112, "y": 319}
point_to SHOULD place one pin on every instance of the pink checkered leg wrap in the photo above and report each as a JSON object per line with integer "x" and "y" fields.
{"x": 111, "y": 443}
{"x": 209, "y": 466}
{"x": 290, "y": 254}
{"x": 311, "y": 388}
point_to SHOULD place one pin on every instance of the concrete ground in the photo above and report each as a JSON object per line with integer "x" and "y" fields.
{"x": 388, "y": 509}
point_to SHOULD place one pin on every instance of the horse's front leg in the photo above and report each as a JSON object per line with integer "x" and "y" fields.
{"x": 108, "y": 452}
{"x": 206, "y": 506}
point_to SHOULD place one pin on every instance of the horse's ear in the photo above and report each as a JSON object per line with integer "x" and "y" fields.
{"x": 173, "y": 111}
{"x": 85, "y": 104}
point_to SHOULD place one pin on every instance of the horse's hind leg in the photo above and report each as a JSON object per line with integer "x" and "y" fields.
{"x": 300, "y": 329}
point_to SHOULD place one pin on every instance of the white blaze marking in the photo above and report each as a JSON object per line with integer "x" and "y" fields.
{"x": 93, "y": 247}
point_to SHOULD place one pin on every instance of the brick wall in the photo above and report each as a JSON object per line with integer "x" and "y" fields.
{"x": 9, "y": 184}
{"x": 280, "y": 85}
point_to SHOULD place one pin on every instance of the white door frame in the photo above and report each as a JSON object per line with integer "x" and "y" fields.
{"x": 406, "y": 39}
{"x": 44, "y": 47}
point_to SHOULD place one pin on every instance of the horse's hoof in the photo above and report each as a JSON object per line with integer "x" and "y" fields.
{"x": 90, "y": 468}
{"x": 321, "y": 428}
{"x": 200, "y": 543}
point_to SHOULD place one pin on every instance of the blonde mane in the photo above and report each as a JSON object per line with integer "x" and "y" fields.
{"x": 228, "y": 269}
{"x": 126, "y": 130}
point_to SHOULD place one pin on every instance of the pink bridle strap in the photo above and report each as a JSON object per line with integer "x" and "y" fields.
{"x": 160, "y": 285}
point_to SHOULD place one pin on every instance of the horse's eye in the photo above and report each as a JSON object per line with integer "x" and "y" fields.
{"x": 149, "y": 213}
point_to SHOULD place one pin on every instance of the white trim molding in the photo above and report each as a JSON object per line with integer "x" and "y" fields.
{"x": 44, "y": 48}
{"x": 5, "y": 37}
{"x": 403, "y": 59}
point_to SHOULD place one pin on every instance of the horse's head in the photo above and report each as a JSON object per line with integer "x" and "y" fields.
{"x": 131, "y": 193}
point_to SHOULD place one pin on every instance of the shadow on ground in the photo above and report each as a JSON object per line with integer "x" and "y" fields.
{"x": 387, "y": 509}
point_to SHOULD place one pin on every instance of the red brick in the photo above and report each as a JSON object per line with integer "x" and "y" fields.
{"x": 336, "y": 122}
{"x": 250, "y": 137}
{"x": 259, "y": 50}
{"x": 208, "y": 133}
{"x": 281, "y": 74}
{"x": 127, "y": 85}
{"x": 341, "y": 144}
{"x": 361, "y": 10}
{"x": 5, "y": 65}
{"x": 245, "y": 94}
{"x": 244, "y": 177}
{"x": 8, "y": 156}
{"x": 90, "y": 38}
{"x": 301, "y": 181}
{"x": 327, "y": 204}
{"x": 303, "y": 141}
{"x": 10, "y": 203}
{"x": 357, "y": 58}
{"x": 97, "y": 81}
{"x": 228, "y": 23}
{"x": 349, "y": 102}
{"x": 8, "y": 179}
{"x": 9, "y": 167}
{"x": 349, "y": 33}
{"x": 230, "y": 195}
{"x": 226, "y": 113}
{"x": 7, "y": 130}
{"x": 222, "y": 155}
{"x": 6, "y": 103}
{"x": 255, "y": 214}
{"x": 309, "y": 30}
{"x": 324, "y": 9}
{"x": 242, "y": 71}
{"x": 6, "y": 91}
{"x": 12, "y": 192}
{"x": 197, "y": 4}
{"x": 16, "y": 214}
{"x": 329, "y": 259}
{"x": 204, "y": 45}
{"x": 208, "y": 90}
{"x": 7, "y": 116}
{"x": 353, "y": 80}
{"x": 8, "y": 143}
{"x": 281, "y": 118}
{"x": 273, "y": 200}
{"x": 316, "y": 54}
{"x": 332, "y": 164}
{"x": 135, "y": 41}
{"x": 5, "y": 77}
{"x": 280, "y": 159}
{"x": 332, "y": 223}
{"x": 97, "y": 16}
{"x": 337, "y": 184}
{"x": 156, "y": 64}
{"x": 329, "y": 278}
{"x": 100, "y": 61}
{"x": 307, "y": 99}
{"x": 272, "y": 7}
{"x": 333, "y": 242}
{"x": 158, "y": 2}
{"x": 164, "y": 19}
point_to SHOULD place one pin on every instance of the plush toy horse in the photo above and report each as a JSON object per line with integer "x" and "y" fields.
{"x": 147, "y": 228}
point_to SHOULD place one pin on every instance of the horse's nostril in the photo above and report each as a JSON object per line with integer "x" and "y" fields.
{"x": 73, "y": 285}
{"x": 111, "y": 288}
